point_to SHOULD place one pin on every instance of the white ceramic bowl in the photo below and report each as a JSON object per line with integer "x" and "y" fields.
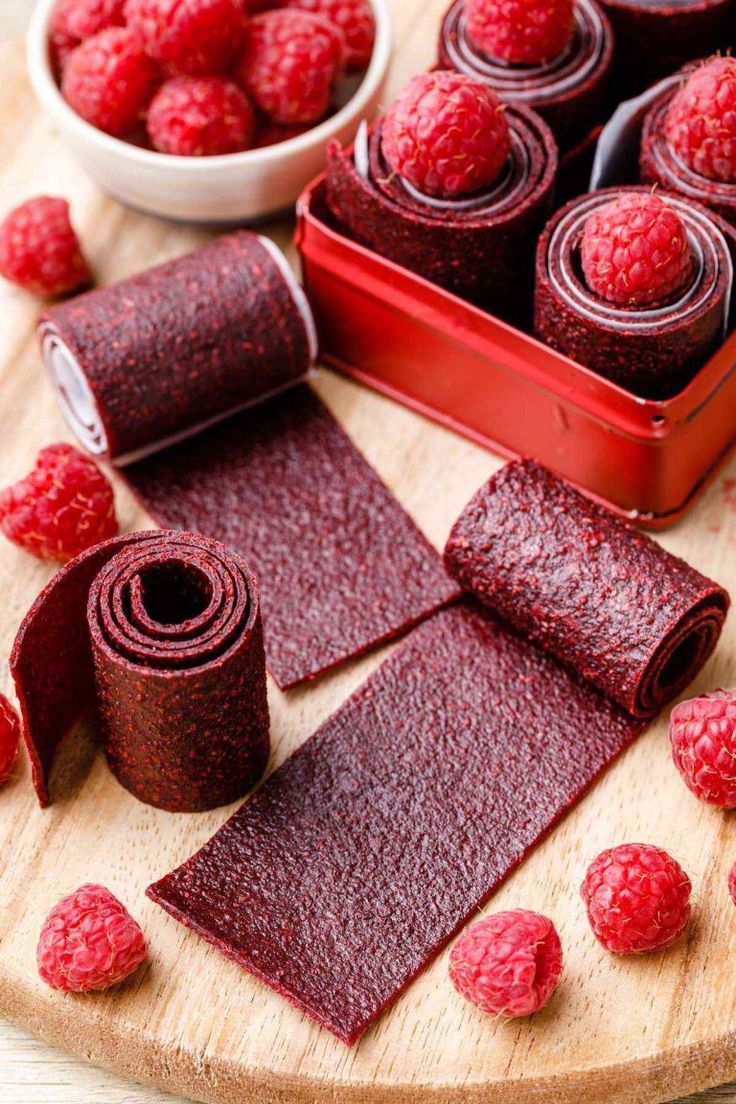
{"x": 237, "y": 187}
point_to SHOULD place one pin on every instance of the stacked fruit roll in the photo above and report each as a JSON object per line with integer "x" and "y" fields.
{"x": 635, "y": 287}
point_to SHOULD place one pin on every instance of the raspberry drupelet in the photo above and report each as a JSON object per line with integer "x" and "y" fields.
{"x": 635, "y": 251}
{"x": 289, "y": 64}
{"x": 703, "y": 741}
{"x": 39, "y": 250}
{"x": 700, "y": 125}
{"x": 89, "y": 941}
{"x": 62, "y": 507}
{"x": 637, "y": 898}
{"x": 508, "y": 964}
{"x": 446, "y": 134}
{"x": 520, "y": 32}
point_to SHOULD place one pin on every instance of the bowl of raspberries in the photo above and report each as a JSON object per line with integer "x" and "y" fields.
{"x": 207, "y": 110}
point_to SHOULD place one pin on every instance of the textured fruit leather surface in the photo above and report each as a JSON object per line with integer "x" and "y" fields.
{"x": 370, "y": 847}
{"x": 341, "y": 566}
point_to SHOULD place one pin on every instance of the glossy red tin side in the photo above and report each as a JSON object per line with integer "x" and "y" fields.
{"x": 402, "y": 335}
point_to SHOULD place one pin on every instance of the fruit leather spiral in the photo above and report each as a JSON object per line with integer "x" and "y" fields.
{"x": 653, "y": 351}
{"x": 185, "y": 375}
{"x": 481, "y": 247}
{"x": 159, "y": 634}
{"x": 367, "y": 850}
{"x": 627, "y": 616}
{"x": 568, "y": 91}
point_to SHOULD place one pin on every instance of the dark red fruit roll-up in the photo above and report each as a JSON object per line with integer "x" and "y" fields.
{"x": 653, "y": 351}
{"x": 160, "y": 356}
{"x": 158, "y": 635}
{"x": 655, "y": 37}
{"x": 659, "y": 163}
{"x": 626, "y": 615}
{"x": 145, "y": 367}
{"x": 569, "y": 91}
{"x": 479, "y": 247}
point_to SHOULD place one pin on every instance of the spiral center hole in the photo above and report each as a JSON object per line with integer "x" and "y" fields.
{"x": 174, "y": 592}
{"x": 680, "y": 662}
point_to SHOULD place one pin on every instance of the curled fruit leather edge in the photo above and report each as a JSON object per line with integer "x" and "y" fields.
{"x": 369, "y": 848}
{"x": 190, "y": 377}
{"x": 158, "y": 635}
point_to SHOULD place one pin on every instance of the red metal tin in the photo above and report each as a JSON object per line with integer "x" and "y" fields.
{"x": 431, "y": 351}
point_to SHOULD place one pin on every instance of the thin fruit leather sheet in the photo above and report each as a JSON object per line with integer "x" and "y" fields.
{"x": 360, "y": 858}
{"x": 145, "y": 368}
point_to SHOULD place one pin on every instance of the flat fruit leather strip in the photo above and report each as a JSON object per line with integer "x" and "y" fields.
{"x": 359, "y": 859}
{"x": 158, "y": 358}
{"x": 624, "y": 613}
{"x": 341, "y": 566}
{"x": 161, "y": 635}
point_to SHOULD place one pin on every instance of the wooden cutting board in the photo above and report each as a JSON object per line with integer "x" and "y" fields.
{"x": 617, "y": 1030}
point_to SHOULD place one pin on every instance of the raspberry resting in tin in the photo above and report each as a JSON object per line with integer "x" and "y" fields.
{"x": 688, "y": 140}
{"x": 551, "y": 55}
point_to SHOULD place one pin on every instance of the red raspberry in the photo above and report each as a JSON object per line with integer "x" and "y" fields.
{"x": 355, "y": 19}
{"x": 446, "y": 134}
{"x": 89, "y": 941}
{"x": 192, "y": 36}
{"x": 39, "y": 250}
{"x": 637, "y": 897}
{"x": 80, "y": 19}
{"x": 732, "y": 883}
{"x": 289, "y": 64}
{"x": 521, "y": 32}
{"x": 108, "y": 80}
{"x": 200, "y": 117}
{"x": 62, "y": 507}
{"x": 701, "y": 121}
{"x": 508, "y": 964}
{"x": 703, "y": 739}
{"x": 635, "y": 251}
{"x": 9, "y": 738}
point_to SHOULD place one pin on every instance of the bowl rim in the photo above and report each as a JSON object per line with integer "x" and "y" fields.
{"x": 48, "y": 93}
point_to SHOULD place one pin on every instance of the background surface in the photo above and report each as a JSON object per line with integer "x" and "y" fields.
{"x": 30, "y": 1071}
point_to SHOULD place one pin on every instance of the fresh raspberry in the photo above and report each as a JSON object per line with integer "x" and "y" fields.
{"x": 635, "y": 251}
{"x": 80, "y": 19}
{"x": 637, "y": 897}
{"x": 9, "y": 738}
{"x": 62, "y": 507}
{"x": 703, "y": 739}
{"x": 89, "y": 941}
{"x": 39, "y": 249}
{"x": 701, "y": 121}
{"x": 192, "y": 36}
{"x": 508, "y": 964}
{"x": 108, "y": 80}
{"x": 520, "y": 32}
{"x": 200, "y": 117}
{"x": 446, "y": 134}
{"x": 355, "y": 19}
{"x": 732, "y": 883}
{"x": 289, "y": 64}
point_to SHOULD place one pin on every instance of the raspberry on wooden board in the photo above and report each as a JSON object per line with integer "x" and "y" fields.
{"x": 703, "y": 741}
{"x": 39, "y": 249}
{"x": 9, "y": 738}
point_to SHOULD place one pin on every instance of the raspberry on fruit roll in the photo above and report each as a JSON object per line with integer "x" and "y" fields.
{"x": 453, "y": 185}
{"x": 551, "y": 55}
{"x": 634, "y": 286}
{"x": 689, "y": 136}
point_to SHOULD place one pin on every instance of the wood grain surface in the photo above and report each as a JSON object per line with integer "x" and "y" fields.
{"x": 617, "y": 1030}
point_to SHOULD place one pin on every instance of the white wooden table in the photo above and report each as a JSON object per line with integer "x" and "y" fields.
{"x": 30, "y": 1071}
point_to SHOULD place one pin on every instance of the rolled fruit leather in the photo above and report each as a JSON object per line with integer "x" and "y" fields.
{"x": 435, "y": 779}
{"x": 191, "y": 376}
{"x": 480, "y": 247}
{"x": 159, "y": 635}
